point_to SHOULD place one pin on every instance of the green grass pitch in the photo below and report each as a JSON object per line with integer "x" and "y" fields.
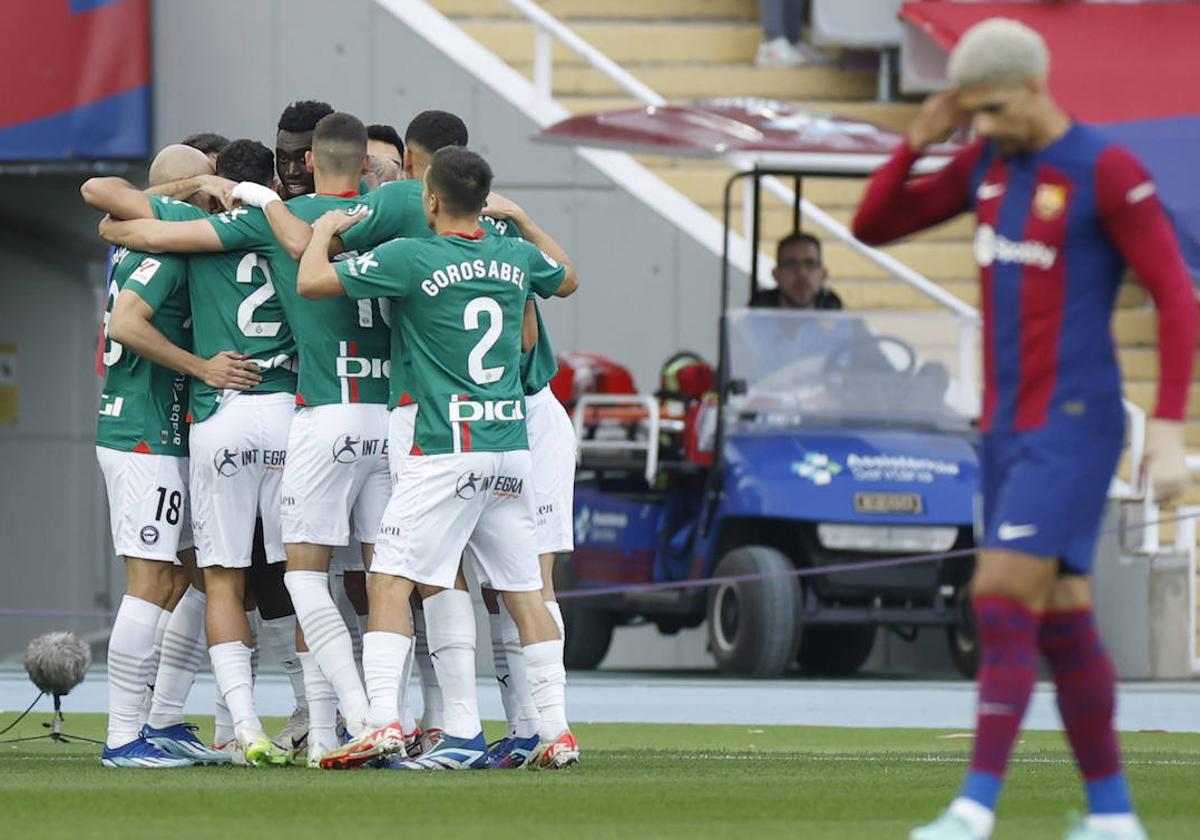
{"x": 636, "y": 780}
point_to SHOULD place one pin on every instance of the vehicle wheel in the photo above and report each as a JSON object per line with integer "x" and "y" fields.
{"x": 836, "y": 650}
{"x": 588, "y": 630}
{"x": 752, "y": 624}
{"x": 961, "y": 636}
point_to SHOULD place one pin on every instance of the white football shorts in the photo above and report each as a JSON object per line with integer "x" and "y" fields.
{"x": 552, "y": 446}
{"x": 336, "y": 483}
{"x": 237, "y": 464}
{"x": 147, "y": 503}
{"x": 443, "y": 504}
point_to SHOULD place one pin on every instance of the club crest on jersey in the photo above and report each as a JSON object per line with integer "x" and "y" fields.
{"x": 1049, "y": 201}
{"x": 464, "y": 410}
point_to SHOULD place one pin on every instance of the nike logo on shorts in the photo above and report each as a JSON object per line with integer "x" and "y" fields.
{"x": 1008, "y": 532}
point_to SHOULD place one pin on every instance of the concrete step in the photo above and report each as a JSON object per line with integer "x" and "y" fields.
{"x": 702, "y": 81}
{"x": 573, "y": 10}
{"x": 628, "y": 43}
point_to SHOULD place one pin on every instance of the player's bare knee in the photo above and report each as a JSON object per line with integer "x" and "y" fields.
{"x": 303, "y": 557}
{"x": 531, "y": 617}
{"x": 1023, "y": 578}
{"x": 1070, "y": 592}
{"x": 150, "y": 580}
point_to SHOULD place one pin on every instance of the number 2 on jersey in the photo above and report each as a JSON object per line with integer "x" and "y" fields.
{"x": 245, "y": 314}
{"x": 477, "y": 306}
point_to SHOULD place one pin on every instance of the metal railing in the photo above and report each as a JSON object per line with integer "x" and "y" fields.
{"x": 548, "y": 29}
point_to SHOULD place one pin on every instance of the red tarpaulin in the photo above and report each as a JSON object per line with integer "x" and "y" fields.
{"x": 1108, "y": 62}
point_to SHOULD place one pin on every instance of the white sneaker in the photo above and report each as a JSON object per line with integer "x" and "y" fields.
{"x": 293, "y": 738}
{"x": 781, "y": 52}
{"x": 234, "y": 749}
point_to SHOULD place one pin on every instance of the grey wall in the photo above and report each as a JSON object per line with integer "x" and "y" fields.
{"x": 647, "y": 291}
{"x": 54, "y": 545}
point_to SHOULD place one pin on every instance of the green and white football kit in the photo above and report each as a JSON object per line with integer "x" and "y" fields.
{"x": 336, "y": 482}
{"x": 459, "y": 302}
{"x": 141, "y": 435}
{"x": 238, "y": 438}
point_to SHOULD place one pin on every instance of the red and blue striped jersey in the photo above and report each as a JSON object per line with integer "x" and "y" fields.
{"x": 1055, "y": 231}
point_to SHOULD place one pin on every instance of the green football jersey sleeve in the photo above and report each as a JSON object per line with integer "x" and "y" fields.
{"x": 171, "y": 210}
{"x": 396, "y": 211}
{"x": 143, "y": 406}
{"x": 460, "y": 302}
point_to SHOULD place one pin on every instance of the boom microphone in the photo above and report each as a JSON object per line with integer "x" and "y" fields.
{"x": 57, "y": 662}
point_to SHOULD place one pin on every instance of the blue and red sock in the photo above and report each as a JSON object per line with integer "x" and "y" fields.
{"x": 1008, "y": 645}
{"x": 1086, "y": 687}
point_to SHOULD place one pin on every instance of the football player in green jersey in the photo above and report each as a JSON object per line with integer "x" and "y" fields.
{"x": 293, "y": 143}
{"x": 460, "y": 301}
{"x": 336, "y": 482}
{"x": 141, "y": 444}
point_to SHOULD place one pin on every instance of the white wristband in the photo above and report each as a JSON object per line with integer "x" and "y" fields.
{"x": 256, "y": 195}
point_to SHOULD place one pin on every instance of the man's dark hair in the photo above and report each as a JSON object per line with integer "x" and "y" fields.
{"x": 303, "y": 115}
{"x": 247, "y": 160}
{"x": 386, "y": 134}
{"x": 798, "y": 237}
{"x": 339, "y": 143}
{"x": 433, "y": 130}
{"x": 207, "y": 142}
{"x": 461, "y": 179}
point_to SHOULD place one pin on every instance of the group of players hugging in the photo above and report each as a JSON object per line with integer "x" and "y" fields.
{"x": 306, "y": 350}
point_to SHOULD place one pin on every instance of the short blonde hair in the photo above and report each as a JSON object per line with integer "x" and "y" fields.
{"x": 998, "y": 51}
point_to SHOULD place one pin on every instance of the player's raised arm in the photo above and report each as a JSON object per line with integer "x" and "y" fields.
{"x": 499, "y": 207}
{"x": 896, "y": 205}
{"x": 292, "y": 232}
{"x": 317, "y": 277}
{"x": 177, "y": 172}
{"x": 155, "y": 237}
{"x": 1134, "y": 219}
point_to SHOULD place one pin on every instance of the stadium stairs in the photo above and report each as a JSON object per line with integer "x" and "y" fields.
{"x": 693, "y": 49}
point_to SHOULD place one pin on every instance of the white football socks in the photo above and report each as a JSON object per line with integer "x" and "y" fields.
{"x": 235, "y": 679}
{"x": 528, "y": 717}
{"x": 130, "y": 662}
{"x": 280, "y": 637}
{"x": 182, "y": 653}
{"x": 156, "y": 655}
{"x": 328, "y": 640}
{"x": 433, "y": 710}
{"x": 337, "y": 587}
{"x": 450, "y": 625}
{"x": 383, "y": 662}
{"x": 322, "y": 706}
{"x": 408, "y": 721}
{"x": 548, "y": 684}
{"x": 508, "y": 696}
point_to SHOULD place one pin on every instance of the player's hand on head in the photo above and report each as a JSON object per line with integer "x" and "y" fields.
{"x": 937, "y": 120}
{"x": 218, "y": 188}
{"x": 228, "y": 369}
{"x": 1164, "y": 463}
{"x": 336, "y": 222}
{"x": 499, "y": 207}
